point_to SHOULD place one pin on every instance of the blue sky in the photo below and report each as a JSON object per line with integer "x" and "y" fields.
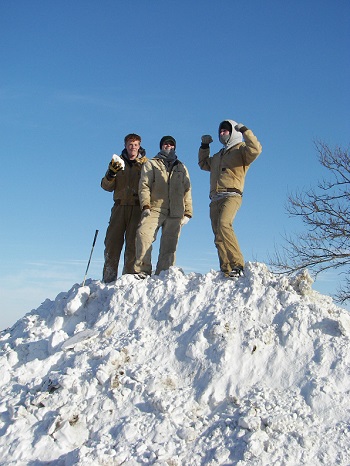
{"x": 76, "y": 77}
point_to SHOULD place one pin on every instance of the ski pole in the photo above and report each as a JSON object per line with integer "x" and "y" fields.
{"x": 93, "y": 245}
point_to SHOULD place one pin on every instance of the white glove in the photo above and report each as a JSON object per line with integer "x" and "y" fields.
{"x": 184, "y": 220}
{"x": 146, "y": 213}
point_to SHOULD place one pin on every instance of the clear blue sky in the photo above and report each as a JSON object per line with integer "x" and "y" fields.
{"x": 76, "y": 76}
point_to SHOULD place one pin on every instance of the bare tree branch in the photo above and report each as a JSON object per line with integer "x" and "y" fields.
{"x": 325, "y": 212}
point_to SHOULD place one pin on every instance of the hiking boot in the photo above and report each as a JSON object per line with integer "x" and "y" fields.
{"x": 236, "y": 272}
{"x": 141, "y": 275}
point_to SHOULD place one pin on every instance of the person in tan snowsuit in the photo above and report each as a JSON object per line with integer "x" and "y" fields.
{"x": 166, "y": 203}
{"x": 122, "y": 178}
{"x": 228, "y": 169}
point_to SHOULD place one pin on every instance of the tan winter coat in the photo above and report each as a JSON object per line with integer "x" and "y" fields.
{"x": 159, "y": 189}
{"x": 229, "y": 168}
{"x": 126, "y": 183}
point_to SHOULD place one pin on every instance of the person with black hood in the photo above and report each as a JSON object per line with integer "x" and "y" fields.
{"x": 122, "y": 178}
{"x": 228, "y": 169}
{"x": 166, "y": 203}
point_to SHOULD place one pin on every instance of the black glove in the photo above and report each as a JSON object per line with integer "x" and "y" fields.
{"x": 241, "y": 128}
{"x": 206, "y": 140}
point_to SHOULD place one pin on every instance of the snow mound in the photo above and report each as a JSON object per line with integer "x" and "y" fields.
{"x": 179, "y": 370}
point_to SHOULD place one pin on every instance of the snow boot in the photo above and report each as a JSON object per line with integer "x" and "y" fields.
{"x": 141, "y": 275}
{"x": 236, "y": 272}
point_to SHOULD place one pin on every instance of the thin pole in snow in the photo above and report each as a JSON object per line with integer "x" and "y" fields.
{"x": 93, "y": 245}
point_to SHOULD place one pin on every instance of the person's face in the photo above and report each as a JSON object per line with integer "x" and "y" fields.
{"x": 132, "y": 148}
{"x": 224, "y": 132}
{"x": 168, "y": 146}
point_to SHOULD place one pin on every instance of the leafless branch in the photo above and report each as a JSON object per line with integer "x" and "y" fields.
{"x": 325, "y": 212}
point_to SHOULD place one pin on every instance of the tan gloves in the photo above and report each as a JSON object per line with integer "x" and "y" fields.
{"x": 113, "y": 168}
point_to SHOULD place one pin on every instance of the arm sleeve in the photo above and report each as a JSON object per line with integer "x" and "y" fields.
{"x": 188, "y": 196}
{"x": 145, "y": 184}
{"x": 204, "y": 160}
{"x": 252, "y": 147}
{"x": 108, "y": 185}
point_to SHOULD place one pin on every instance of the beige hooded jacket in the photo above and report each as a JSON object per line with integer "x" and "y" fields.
{"x": 160, "y": 189}
{"x": 228, "y": 167}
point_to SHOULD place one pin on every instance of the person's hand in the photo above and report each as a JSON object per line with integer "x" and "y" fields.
{"x": 113, "y": 168}
{"x": 240, "y": 127}
{"x": 184, "y": 220}
{"x": 146, "y": 213}
{"x": 206, "y": 139}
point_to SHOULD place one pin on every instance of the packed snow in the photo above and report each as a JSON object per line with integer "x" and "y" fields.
{"x": 118, "y": 159}
{"x": 178, "y": 370}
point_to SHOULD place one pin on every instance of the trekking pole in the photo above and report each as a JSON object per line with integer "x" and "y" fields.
{"x": 93, "y": 245}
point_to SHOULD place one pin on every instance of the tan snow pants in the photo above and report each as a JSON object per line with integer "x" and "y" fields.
{"x": 147, "y": 234}
{"x": 222, "y": 214}
{"x": 122, "y": 228}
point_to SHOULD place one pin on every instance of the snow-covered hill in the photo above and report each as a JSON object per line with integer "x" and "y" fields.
{"x": 179, "y": 370}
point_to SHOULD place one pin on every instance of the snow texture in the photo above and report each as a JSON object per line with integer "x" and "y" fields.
{"x": 179, "y": 370}
{"x": 117, "y": 158}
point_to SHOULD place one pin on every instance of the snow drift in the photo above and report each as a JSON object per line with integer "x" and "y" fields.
{"x": 178, "y": 370}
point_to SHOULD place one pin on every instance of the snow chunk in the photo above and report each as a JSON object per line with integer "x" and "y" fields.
{"x": 302, "y": 283}
{"x": 78, "y": 300}
{"x": 117, "y": 158}
{"x": 71, "y": 433}
{"x": 78, "y": 338}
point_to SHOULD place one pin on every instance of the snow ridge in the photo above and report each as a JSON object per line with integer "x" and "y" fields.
{"x": 178, "y": 370}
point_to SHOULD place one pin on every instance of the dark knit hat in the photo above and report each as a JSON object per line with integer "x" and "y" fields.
{"x": 225, "y": 125}
{"x": 167, "y": 139}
